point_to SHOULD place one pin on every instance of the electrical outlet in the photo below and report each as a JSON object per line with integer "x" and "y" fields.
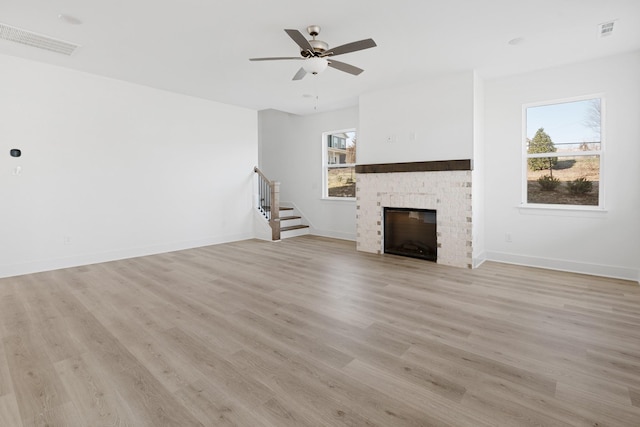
{"x": 507, "y": 237}
{"x": 66, "y": 240}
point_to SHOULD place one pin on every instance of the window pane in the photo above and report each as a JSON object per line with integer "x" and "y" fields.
{"x": 563, "y": 130}
{"x": 341, "y": 181}
{"x": 564, "y": 180}
{"x": 341, "y": 149}
{"x": 564, "y": 127}
{"x": 340, "y": 164}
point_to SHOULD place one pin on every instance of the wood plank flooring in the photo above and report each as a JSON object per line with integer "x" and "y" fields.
{"x": 309, "y": 332}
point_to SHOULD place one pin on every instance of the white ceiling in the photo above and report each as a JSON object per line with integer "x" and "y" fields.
{"x": 201, "y": 48}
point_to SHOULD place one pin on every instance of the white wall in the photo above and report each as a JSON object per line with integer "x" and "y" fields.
{"x": 113, "y": 170}
{"x": 291, "y": 152}
{"x": 478, "y": 173}
{"x": 598, "y": 243}
{"x": 429, "y": 120}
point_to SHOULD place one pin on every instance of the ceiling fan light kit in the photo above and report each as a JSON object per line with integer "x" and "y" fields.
{"x": 315, "y": 52}
{"x": 315, "y": 65}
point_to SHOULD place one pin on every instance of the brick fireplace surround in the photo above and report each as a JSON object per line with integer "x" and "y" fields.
{"x": 444, "y": 186}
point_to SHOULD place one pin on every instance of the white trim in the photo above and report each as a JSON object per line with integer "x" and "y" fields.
{"x": 561, "y": 210}
{"x": 333, "y": 234}
{"x": 564, "y": 100}
{"x": 477, "y": 261}
{"x": 612, "y": 271}
{"x": 340, "y": 199}
{"x": 601, "y": 152}
{"x": 325, "y": 165}
{"x": 590, "y": 153}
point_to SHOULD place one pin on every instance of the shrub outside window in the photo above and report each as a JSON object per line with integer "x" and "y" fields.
{"x": 563, "y": 151}
{"x": 339, "y": 158}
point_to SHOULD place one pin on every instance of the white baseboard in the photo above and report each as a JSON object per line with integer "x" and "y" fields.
{"x": 615, "y": 272}
{"x": 479, "y": 259}
{"x": 86, "y": 259}
{"x": 333, "y": 234}
{"x": 317, "y": 232}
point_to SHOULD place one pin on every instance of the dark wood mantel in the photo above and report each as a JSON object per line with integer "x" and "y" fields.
{"x": 434, "y": 166}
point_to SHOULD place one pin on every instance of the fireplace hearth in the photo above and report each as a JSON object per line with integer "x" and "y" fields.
{"x": 411, "y": 232}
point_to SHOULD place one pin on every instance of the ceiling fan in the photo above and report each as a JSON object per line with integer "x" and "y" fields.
{"x": 317, "y": 55}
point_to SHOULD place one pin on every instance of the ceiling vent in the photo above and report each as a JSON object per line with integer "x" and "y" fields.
{"x": 605, "y": 29}
{"x": 18, "y": 35}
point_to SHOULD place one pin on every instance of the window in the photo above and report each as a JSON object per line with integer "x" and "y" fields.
{"x": 339, "y": 158}
{"x": 563, "y": 151}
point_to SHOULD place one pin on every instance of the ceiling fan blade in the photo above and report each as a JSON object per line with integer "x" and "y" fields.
{"x": 300, "y": 40}
{"x": 350, "y": 47}
{"x": 275, "y": 58}
{"x": 300, "y": 74}
{"x": 347, "y": 68}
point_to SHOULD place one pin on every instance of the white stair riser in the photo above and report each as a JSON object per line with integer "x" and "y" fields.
{"x": 294, "y": 233}
{"x": 290, "y": 222}
{"x": 283, "y": 214}
{"x": 287, "y": 212}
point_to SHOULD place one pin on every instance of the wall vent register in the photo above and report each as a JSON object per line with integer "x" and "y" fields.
{"x": 40, "y": 41}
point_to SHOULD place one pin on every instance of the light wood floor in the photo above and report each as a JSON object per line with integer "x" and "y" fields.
{"x": 309, "y": 332}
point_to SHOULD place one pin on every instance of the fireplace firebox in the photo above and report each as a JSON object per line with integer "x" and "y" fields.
{"x": 411, "y": 232}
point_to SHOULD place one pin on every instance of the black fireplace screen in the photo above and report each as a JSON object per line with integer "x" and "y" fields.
{"x": 410, "y": 232}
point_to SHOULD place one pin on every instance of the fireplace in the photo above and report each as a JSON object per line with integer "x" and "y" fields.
{"x": 442, "y": 186}
{"x": 411, "y": 232}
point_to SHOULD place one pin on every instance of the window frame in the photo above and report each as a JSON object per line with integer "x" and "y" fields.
{"x": 601, "y": 153}
{"x": 325, "y": 164}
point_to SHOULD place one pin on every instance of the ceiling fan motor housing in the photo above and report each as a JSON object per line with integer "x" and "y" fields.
{"x": 318, "y": 46}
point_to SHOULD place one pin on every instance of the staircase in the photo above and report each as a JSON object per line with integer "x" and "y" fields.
{"x": 284, "y": 221}
{"x": 291, "y": 223}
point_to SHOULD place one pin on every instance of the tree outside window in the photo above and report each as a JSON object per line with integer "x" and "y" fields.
{"x": 563, "y": 153}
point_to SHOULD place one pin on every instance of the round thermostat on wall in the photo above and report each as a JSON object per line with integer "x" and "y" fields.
{"x": 15, "y": 152}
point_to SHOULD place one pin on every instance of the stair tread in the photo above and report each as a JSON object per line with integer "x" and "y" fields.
{"x": 282, "y": 208}
{"x": 293, "y": 227}
{"x": 284, "y": 218}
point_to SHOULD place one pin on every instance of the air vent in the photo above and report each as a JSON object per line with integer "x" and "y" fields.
{"x": 18, "y": 35}
{"x": 605, "y": 29}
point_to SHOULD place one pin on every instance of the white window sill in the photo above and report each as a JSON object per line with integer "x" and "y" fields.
{"x": 339, "y": 199}
{"x": 562, "y": 210}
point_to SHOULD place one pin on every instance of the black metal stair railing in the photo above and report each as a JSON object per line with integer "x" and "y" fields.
{"x": 269, "y": 202}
